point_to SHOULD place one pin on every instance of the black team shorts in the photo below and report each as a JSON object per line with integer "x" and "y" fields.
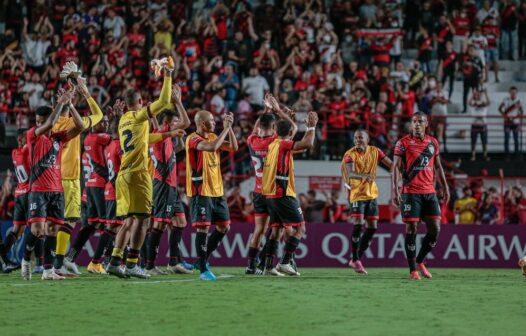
{"x": 46, "y": 205}
{"x": 166, "y": 202}
{"x": 416, "y": 207}
{"x": 96, "y": 205}
{"x": 285, "y": 211}
{"x": 260, "y": 205}
{"x": 367, "y": 209}
{"x": 20, "y": 212}
{"x": 111, "y": 213}
{"x": 205, "y": 211}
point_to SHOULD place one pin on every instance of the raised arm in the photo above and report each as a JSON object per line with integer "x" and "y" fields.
{"x": 184, "y": 121}
{"x": 271, "y": 102}
{"x": 63, "y": 98}
{"x": 231, "y": 145}
{"x": 164, "y": 99}
{"x": 79, "y": 123}
{"x": 215, "y": 145}
{"x": 96, "y": 113}
{"x": 308, "y": 139}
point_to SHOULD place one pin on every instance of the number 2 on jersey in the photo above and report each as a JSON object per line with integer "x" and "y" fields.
{"x": 128, "y": 135}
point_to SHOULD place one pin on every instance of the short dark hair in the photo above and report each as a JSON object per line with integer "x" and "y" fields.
{"x": 514, "y": 88}
{"x": 419, "y": 114}
{"x": 283, "y": 128}
{"x": 131, "y": 97}
{"x": 44, "y": 111}
{"x": 266, "y": 121}
{"x": 21, "y": 131}
{"x": 168, "y": 114}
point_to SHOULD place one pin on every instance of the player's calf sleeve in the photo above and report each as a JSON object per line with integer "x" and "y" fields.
{"x": 82, "y": 237}
{"x": 429, "y": 241}
{"x": 355, "y": 240}
{"x": 31, "y": 242}
{"x": 213, "y": 242}
{"x": 290, "y": 247}
{"x": 410, "y": 250}
{"x": 3, "y": 256}
{"x": 105, "y": 237}
{"x": 49, "y": 245}
{"x": 272, "y": 251}
{"x": 39, "y": 251}
{"x": 365, "y": 241}
{"x": 153, "y": 247}
{"x": 252, "y": 255}
{"x": 201, "y": 246}
{"x": 10, "y": 240}
{"x": 133, "y": 258}
{"x": 175, "y": 239}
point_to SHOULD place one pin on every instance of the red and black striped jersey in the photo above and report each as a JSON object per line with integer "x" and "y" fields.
{"x": 45, "y": 155}
{"x": 163, "y": 157}
{"x": 113, "y": 155}
{"x": 21, "y": 162}
{"x": 258, "y": 148}
{"x": 418, "y": 161}
{"x": 94, "y": 144}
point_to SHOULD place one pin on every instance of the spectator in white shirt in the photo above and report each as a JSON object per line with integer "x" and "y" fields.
{"x": 511, "y": 111}
{"x": 34, "y": 89}
{"x": 255, "y": 85}
{"x": 487, "y": 10}
{"x": 478, "y": 104}
{"x": 34, "y": 47}
{"x": 115, "y": 23}
{"x": 439, "y": 100}
{"x": 217, "y": 104}
{"x": 480, "y": 43}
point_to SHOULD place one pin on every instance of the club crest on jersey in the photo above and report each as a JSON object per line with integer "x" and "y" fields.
{"x": 431, "y": 149}
{"x": 56, "y": 145}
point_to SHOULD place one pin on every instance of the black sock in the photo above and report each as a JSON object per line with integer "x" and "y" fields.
{"x": 213, "y": 242}
{"x": 429, "y": 241}
{"x": 201, "y": 246}
{"x": 410, "y": 250}
{"x": 355, "y": 240}
{"x": 49, "y": 245}
{"x": 153, "y": 247}
{"x": 10, "y": 240}
{"x": 252, "y": 254}
{"x": 125, "y": 254}
{"x": 31, "y": 242}
{"x": 175, "y": 239}
{"x": 3, "y": 256}
{"x": 365, "y": 241}
{"x": 290, "y": 247}
{"x": 109, "y": 249}
{"x": 272, "y": 249}
{"x": 263, "y": 252}
{"x": 39, "y": 252}
{"x": 80, "y": 240}
{"x": 133, "y": 258}
{"x": 105, "y": 237}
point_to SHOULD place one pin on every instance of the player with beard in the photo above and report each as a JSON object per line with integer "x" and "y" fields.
{"x": 416, "y": 158}
{"x": 359, "y": 173}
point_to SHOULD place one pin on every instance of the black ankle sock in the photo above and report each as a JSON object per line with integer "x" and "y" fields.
{"x": 175, "y": 239}
{"x": 10, "y": 240}
{"x": 272, "y": 249}
{"x": 290, "y": 247}
{"x": 133, "y": 257}
{"x": 80, "y": 240}
{"x": 252, "y": 254}
{"x": 39, "y": 252}
{"x": 31, "y": 243}
{"x": 109, "y": 248}
{"x": 49, "y": 245}
{"x": 365, "y": 241}
{"x": 355, "y": 240}
{"x": 105, "y": 237}
{"x": 200, "y": 246}
{"x": 153, "y": 247}
{"x": 213, "y": 242}
{"x": 429, "y": 241}
{"x": 410, "y": 250}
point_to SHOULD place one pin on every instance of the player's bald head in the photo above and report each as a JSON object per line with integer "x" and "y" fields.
{"x": 202, "y": 115}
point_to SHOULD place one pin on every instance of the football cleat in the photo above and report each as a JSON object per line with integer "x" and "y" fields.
{"x": 207, "y": 276}
{"x": 10, "y": 266}
{"x": 287, "y": 269}
{"x": 155, "y": 271}
{"x": 50, "y": 274}
{"x": 38, "y": 269}
{"x": 179, "y": 269}
{"x": 65, "y": 273}
{"x": 423, "y": 269}
{"x": 273, "y": 272}
{"x": 522, "y": 265}
{"x": 71, "y": 266}
{"x": 196, "y": 265}
{"x": 136, "y": 272}
{"x": 186, "y": 265}
{"x": 358, "y": 267}
{"x": 250, "y": 271}
{"x": 96, "y": 268}
{"x": 116, "y": 271}
{"x": 26, "y": 270}
{"x": 414, "y": 275}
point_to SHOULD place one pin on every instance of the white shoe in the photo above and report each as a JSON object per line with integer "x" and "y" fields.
{"x": 137, "y": 272}
{"x": 26, "y": 269}
{"x": 155, "y": 271}
{"x": 71, "y": 266}
{"x": 64, "y": 272}
{"x": 50, "y": 274}
{"x": 287, "y": 269}
{"x": 179, "y": 268}
{"x": 273, "y": 272}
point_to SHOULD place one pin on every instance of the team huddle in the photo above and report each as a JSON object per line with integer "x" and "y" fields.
{"x": 130, "y": 186}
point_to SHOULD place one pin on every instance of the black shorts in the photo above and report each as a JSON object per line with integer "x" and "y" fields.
{"x": 96, "y": 211}
{"x": 111, "y": 213}
{"x": 46, "y": 206}
{"x": 416, "y": 207}
{"x": 83, "y": 213}
{"x": 166, "y": 202}
{"x": 206, "y": 211}
{"x": 285, "y": 211}
{"x": 367, "y": 209}
{"x": 20, "y": 212}
{"x": 260, "y": 205}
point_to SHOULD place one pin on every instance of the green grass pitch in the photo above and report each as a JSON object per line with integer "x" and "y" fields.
{"x": 320, "y": 302}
